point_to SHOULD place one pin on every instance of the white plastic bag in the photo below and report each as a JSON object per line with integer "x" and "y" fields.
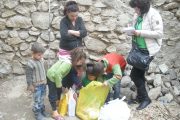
{"x": 115, "y": 110}
{"x": 72, "y": 102}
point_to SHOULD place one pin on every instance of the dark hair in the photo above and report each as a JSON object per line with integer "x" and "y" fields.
{"x": 71, "y": 6}
{"x": 143, "y": 5}
{"x": 37, "y": 48}
{"x": 89, "y": 70}
{"x": 77, "y": 54}
{"x": 98, "y": 69}
{"x": 79, "y": 67}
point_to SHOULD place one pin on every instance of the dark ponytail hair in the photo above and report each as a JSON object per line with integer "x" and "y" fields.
{"x": 70, "y": 6}
{"x": 143, "y": 5}
{"x": 89, "y": 70}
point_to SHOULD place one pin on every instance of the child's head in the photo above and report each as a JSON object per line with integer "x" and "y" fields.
{"x": 78, "y": 56}
{"x": 89, "y": 71}
{"x": 37, "y": 50}
{"x": 80, "y": 68}
{"x": 99, "y": 69}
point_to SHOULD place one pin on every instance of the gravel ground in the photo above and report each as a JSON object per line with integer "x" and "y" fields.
{"x": 16, "y": 103}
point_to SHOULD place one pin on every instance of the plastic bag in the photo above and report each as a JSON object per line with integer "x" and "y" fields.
{"x": 72, "y": 102}
{"x": 91, "y": 98}
{"x": 115, "y": 110}
{"x": 63, "y": 105}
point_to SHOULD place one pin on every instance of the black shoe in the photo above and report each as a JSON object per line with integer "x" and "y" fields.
{"x": 38, "y": 115}
{"x": 145, "y": 99}
{"x": 44, "y": 113}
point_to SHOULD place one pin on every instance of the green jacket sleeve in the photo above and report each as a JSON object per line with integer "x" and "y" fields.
{"x": 61, "y": 72}
{"x": 117, "y": 75}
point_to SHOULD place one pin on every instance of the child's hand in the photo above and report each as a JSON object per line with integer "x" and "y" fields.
{"x": 31, "y": 89}
{"x": 105, "y": 84}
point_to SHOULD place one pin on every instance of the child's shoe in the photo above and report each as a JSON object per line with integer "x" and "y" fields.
{"x": 43, "y": 112}
{"x": 38, "y": 115}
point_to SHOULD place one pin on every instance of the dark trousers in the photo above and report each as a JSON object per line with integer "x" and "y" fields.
{"x": 54, "y": 93}
{"x": 138, "y": 76}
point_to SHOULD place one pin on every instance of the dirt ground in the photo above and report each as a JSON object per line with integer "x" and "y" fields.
{"x": 16, "y": 103}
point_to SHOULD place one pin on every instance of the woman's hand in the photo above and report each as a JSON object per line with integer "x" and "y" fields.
{"x": 137, "y": 33}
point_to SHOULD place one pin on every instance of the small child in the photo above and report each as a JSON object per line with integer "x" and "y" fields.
{"x": 58, "y": 71}
{"x": 71, "y": 78}
{"x": 89, "y": 77}
{"x": 113, "y": 64}
{"x": 36, "y": 79}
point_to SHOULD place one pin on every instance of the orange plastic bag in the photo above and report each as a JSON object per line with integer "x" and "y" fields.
{"x": 63, "y": 105}
{"x": 90, "y": 100}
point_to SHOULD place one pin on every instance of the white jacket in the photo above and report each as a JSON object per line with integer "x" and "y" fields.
{"x": 152, "y": 30}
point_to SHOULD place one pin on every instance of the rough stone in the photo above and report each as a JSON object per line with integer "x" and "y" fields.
{"x": 157, "y": 80}
{"x": 99, "y": 4}
{"x": 28, "y": 1}
{"x": 42, "y": 41}
{"x": 43, "y": 7}
{"x": 17, "y": 68}
{"x": 90, "y": 27}
{"x": 13, "y": 41}
{"x": 156, "y": 90}
{"x": 11, "y": 4}
{"x": 167, "y": 98}
{"x": 173, "y": 74}
{"x": 176, "y": 91}
{"x": 2, "y": 24}
{"x": 32, "y": 8}
{"x": 150, "y": 78}
{"x": 7, "y": 48}
{"x": 158, "y": 2}
{"x": 169, "y": 6}
{"x": 96, "y": 57}
{"x": 94, "y": 44}
{"x": 26, "y": 53}
{"x": 9, "y": 56}
{"x": 109, "y": 12}
{"x": 85, "y": 16}
{"x": 112, "y": 36}
{"x": 45, "y": 36}
{"x": 24, "y": 46}
{"x": 34, "y": 33}
{"x": 13, "y": 33}
{"x": 41, "y": 19}
{"x": 4, "y": 34}
{"x": 164, "y": 68}
{"x": 97, "y": 19}
{"x": 115, "y": 41}
{"x": 8, "y": 14}
{"x": 31, "y": 39}
{"x": 54, "y": 45}
{"x": 126, "y": 92}
{"x": 111, "y": 49}
{"x": 84, "y": 2}
{"x": 94, "y": 10}
{"x": 56, "y": 22}
{"x": 5, "y": 67}
{"x": 125, "y": 81}
{"x": 23, "y": 10}
{"x": 19, "y": 21}
{"x": 52, "y": 54}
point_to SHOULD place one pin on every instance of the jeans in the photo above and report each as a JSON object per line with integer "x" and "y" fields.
{"x": 39, "y": 94}
{"x": 116, "y": 87}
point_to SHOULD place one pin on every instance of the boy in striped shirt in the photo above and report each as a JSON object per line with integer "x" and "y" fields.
{"x": 36, "y": 79}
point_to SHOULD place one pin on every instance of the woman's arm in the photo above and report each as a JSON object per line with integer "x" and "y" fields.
{"x": 82, "y": 28}
{"x": 65, "y": 32}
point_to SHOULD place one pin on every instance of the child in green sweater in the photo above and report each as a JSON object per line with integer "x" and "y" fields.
{"x": 58, "y": 71}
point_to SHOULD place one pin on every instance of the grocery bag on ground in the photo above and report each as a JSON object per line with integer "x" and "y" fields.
{"x": 115, "y": 110}
{"x": 90, "y": 100}
{"x": 63, "y": 105}
{"x": 72, "y": 102}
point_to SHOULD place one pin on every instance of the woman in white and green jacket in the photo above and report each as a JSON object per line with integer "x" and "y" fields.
{"x": 148, "y": 35}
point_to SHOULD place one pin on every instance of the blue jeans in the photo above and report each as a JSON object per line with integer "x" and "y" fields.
{"x": 116, "y": 87}
{"x": 39, "y": 94}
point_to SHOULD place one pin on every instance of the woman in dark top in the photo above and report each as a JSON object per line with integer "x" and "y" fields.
{"x": 72, "y": 29}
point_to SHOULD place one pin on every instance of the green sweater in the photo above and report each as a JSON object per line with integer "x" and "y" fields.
{"x": 86, "y": 81}
{"x": 58, "y": 71}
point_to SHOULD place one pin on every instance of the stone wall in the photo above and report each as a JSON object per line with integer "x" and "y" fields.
{"x": 23, "y": 22}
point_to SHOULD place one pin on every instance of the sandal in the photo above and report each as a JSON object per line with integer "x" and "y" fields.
{"x": 58, "y": 117}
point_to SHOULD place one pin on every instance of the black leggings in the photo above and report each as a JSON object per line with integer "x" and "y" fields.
{"x": 138, "y": 76}
{"x": 54, "y": 93}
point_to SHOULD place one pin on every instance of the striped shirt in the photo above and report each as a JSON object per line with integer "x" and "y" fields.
{"x": 35, "y": 72}
{"x": 64, "y": 52}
